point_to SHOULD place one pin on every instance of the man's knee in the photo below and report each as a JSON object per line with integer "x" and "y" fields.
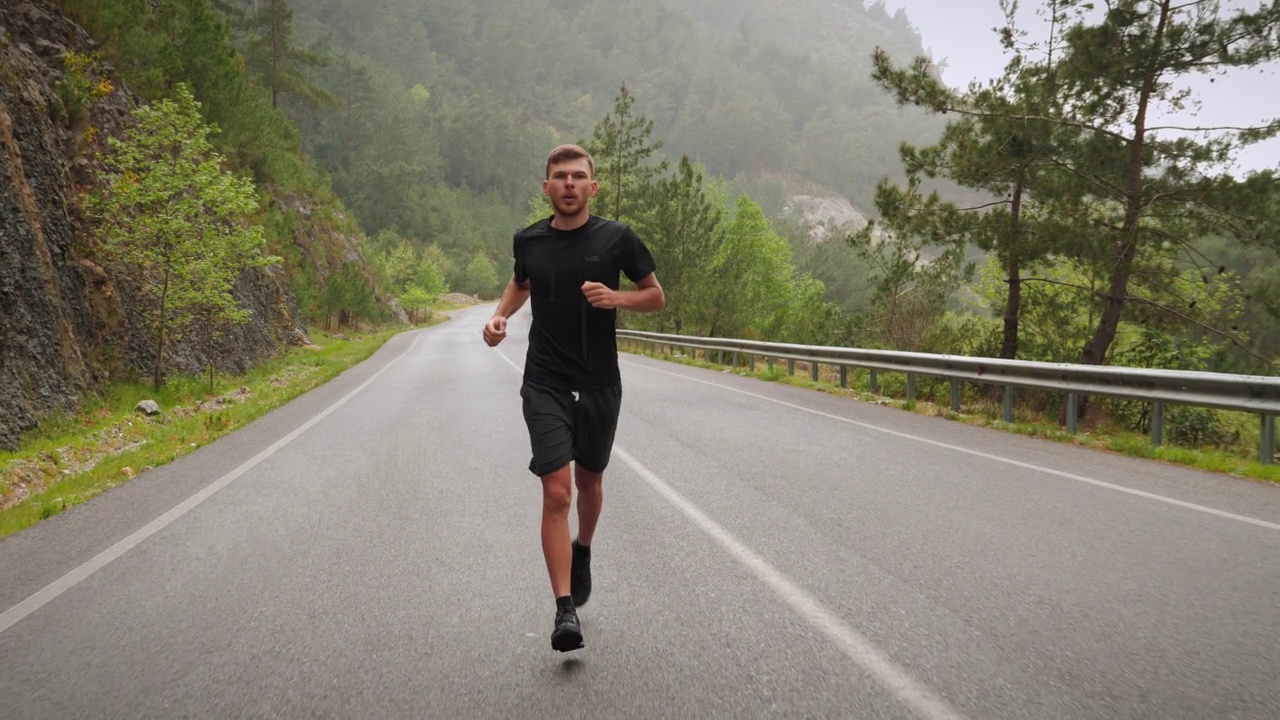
{"x": 557, "y": 491}
{"x": 587, "y": 480}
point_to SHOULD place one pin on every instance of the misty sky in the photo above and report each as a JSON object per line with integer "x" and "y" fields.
{"x": 959, "y": 31}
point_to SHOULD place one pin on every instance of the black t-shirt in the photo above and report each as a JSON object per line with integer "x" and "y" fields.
{"x": 573, "y": 346}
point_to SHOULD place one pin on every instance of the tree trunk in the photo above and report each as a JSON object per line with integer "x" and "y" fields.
{"x": 617, "y": 185}
{"x": 1095, "y": 351}
{"x": 275, "y": 57}
{"x": 164, "y": 297}
{"x": 1009, "y": 350}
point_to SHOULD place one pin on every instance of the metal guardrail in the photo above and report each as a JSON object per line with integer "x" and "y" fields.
{"x": 1247, "y": 393}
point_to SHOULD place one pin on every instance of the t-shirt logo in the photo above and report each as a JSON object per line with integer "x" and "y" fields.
{"x": 592, "y": 258}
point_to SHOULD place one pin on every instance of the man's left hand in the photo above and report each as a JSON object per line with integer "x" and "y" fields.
{"x": 600, "y": 295}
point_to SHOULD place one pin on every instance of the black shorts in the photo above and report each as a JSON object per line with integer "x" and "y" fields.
{"x": 563, "y": 427}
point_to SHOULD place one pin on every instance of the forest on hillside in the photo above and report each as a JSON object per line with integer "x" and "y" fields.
{"x": 758, "y": 97}
{"x": 448, "y": 107}
{"x": 1037, "y": 216}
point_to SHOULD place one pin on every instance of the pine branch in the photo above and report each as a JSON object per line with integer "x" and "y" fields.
{"x": 1268, "y": 126}
{"x": 1092, "y": 179}
{"x": 1050, "y": 281}
{"x": 1063, "y": 122}
{"x": 985, "y": 206}
{"x": 1220, "y": 333}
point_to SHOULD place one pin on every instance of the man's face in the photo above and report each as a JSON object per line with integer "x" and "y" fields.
{"x": 570, "y": 186}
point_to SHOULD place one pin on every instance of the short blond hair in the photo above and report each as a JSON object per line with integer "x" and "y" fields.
{"x": 565, "y": 153}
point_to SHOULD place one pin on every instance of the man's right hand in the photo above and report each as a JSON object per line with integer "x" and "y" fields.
{"x": 495, "y": 331}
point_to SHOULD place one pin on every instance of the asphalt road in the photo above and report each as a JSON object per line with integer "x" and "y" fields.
{"x": 371, "y": 551}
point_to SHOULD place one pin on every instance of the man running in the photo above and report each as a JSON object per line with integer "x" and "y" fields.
{"x": 570, "y": 265}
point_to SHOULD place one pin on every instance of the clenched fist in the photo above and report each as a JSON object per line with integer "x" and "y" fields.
{"x": 600, "y": 295}
{"x": 495, "y": 331}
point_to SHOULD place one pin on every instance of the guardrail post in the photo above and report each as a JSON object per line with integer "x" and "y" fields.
{"x": 1072, "y": 406}
{"x": 813, "y": 371}
{"x": 844, "y": 376}
{"x": 955, "y": 395}
{"x": 1267, "y": 447}
{"x": 911, "y": 387}
{"x": 751, "y": 358}
{"x": 769, "y": 362}
{"x": 1008, "y": 403}
{"x": 875, "y": 383}
{"x": 1157, "y": 422}
{"x": 791, "y": 366}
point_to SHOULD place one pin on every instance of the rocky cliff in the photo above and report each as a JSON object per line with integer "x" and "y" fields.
{"x": 67, "y": 325}
{"x": 824, "y": 217}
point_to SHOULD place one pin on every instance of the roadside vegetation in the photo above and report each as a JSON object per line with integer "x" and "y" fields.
{"x": 74, "y": 458}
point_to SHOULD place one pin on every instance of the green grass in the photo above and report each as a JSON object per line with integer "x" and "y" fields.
{"x": 446, "y": 306}
{"x": 1239, "y": 460}
{"x": 73, "y": 458}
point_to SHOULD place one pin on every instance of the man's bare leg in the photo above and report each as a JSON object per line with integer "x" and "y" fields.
{"x": 590, "y": 501}
{"x": 557, "y": 496}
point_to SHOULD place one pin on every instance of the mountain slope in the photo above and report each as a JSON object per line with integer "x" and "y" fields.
{"x": 749, "y": 89}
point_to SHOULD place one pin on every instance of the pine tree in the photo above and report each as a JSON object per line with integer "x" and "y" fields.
{"x": 1127, "y": 192}
{"x": 280, "y": 64}
{"x": 621, "y": 149}
{"x": 678, "y": 223}
{"x": 1163, "y": 184}
{"x": 992, "y": 149}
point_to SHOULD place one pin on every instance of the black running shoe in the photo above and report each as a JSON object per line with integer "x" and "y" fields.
{"x": 580, "y": 575}
{"x": 568, "y": 633}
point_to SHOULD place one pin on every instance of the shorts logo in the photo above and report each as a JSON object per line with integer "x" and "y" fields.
{"x": 592, "y": 258}
{"x": 576, "y": 397}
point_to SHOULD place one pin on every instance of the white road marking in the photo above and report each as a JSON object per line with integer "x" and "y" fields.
{"x": 923, "y": 701}
{"x": 919, "y": 698}
{"x": 43, "y": 596}
{"x": 979, "y": 453}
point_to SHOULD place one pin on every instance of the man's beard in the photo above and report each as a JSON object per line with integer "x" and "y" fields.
{"x": 579, "y": 207}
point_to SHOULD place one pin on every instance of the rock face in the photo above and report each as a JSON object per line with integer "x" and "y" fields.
{"x": 67, "y": 325}
{"x": 825, "y": 217}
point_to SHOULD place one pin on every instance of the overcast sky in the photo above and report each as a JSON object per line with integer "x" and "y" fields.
{"x": 960, "y": 31}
